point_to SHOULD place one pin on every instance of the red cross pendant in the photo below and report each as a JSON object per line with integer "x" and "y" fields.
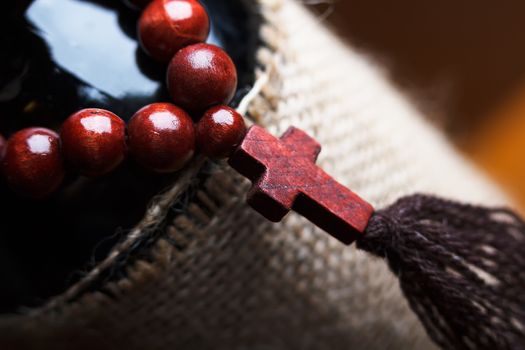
{"x": 285, "y": 177}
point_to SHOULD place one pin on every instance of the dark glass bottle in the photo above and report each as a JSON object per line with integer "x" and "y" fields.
{"x": 59, "y": 56}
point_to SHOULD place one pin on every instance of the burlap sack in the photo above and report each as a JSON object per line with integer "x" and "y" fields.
{"x": 215, "y": 275}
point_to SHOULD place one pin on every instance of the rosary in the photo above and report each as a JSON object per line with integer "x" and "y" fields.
{"x": 461, "y": 267}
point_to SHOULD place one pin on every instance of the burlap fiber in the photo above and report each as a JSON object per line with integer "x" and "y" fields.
{"x": 218, "y": 276}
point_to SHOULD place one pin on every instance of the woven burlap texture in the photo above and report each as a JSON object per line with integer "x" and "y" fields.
{"x": 222, "y": 277}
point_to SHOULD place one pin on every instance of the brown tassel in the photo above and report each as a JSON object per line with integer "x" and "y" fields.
{"x": 461, "y": 267}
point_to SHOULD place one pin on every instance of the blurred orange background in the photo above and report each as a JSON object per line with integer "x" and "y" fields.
{"x": 463, "y": 63}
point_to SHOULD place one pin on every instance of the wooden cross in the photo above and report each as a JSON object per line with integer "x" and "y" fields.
{"x": 285, "y": 177}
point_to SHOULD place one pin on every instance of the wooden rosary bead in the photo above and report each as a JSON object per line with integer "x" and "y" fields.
{"x": 201, "y": 76}
{"x": 166, "y": 26}
{"x": 219, "y": 131}
{"x": 161, "y": 137}
{"x": 33, "y": 163}
{"x": 94, "y": 141}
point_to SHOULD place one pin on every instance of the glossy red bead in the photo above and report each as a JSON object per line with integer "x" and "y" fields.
{"x": 166, "y": 26}
{"x": 94, "y": 141}
{"x": 201, "y": 76}
{"x": 219, "y": 131}
{"x": 33, "y": 163}
{"x": 161, "y": 137}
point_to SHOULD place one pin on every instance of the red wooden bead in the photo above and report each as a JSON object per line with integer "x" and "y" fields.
{"x": 33, "y": 163}
{"x": 219, "y": 131}
{"x": 166, "y": 26}
{"x": 200, "y": 76}
{"x": 94, "y": 141}
{"x": 161, "y": 137}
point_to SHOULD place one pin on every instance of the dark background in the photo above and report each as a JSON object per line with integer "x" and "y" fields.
{"x": 461, "y": 62}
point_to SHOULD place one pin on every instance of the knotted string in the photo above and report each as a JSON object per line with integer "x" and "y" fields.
{"x": 461, "y": 267}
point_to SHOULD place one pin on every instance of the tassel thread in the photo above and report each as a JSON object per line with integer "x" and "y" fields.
{"x": 461, "y": 267}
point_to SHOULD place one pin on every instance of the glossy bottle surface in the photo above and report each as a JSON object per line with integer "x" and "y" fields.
{"x": 58, "y": 57}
